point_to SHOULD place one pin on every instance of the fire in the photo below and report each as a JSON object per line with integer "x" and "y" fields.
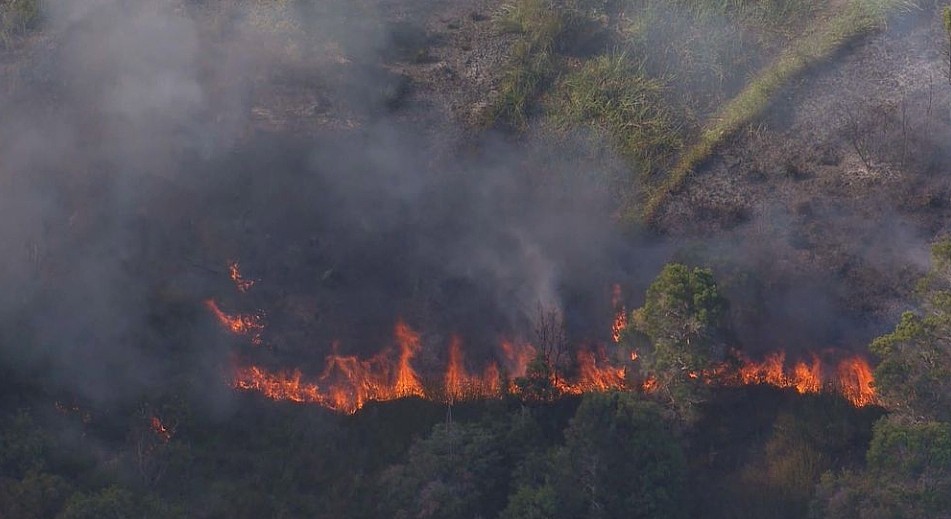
{"x": 161, "y": 430}
{"x": 855, "y": 381}
{"x": 517, "y": 357}
{"x": 277, "y": 386}
{"x": 620, "y": 317}
{"x": 347, "y": 383}
{"x": 460, "y": 384}
{"x": 597, "y": 373}
{"x": 243, "y": 285}
{"x": 852, "y": 378}
{"x": 407, "y": 381}
{"x": 251, "y": 325}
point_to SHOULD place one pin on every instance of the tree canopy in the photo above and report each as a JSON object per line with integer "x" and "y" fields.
{"x": 676, "y": 334}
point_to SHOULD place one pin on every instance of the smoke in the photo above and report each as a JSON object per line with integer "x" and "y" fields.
{"x": 133, "y": 167}
{"x": 145, "y": 144}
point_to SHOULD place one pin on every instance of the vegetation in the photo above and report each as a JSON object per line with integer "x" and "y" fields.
{"x": 858, "y": 18}
{"x": 616, "y": 97}
{"x": 546, "y": 30}
{"x": 680, "y": 320}
{"x": 16, "y": 17}
{"x": 674, "y": 448}
{"x": 625, "y": 93}
{"x": 908, "y": 472}
{"x": 605, "y": 455}
{"x": 619, "y": 459}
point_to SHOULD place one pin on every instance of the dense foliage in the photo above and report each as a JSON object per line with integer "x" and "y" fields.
{"x": 676, "y": 333}
{"x": 908, "y": 472}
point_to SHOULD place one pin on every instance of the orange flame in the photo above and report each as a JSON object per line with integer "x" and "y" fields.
{"x": 852, "y": 379}
{"x": 160, "y": 430}
{"x": 407, "y": 381}
{"x": 243, "y": 285}
{"x": 517, "y": 357}
{"x": 251, "y": 325}
{"x": 855, "y": 379}
{"x": 347, "y": 383}
{"x": 620, "y": 317}
{"x": 460, "y": 385}
{"x": 597, "y": 373}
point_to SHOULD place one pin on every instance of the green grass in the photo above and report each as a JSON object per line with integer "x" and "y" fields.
{"x": 859, "y": 18}
{"x": 616, "y": 97}
{"x": 539, "y": 25}
{"x": 546, "y": 29}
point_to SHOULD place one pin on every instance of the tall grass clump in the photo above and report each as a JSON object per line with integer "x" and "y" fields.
{"x": 617, "y": 98}
{"x": 545, "y": 29}
{"x": 538, "y": 24}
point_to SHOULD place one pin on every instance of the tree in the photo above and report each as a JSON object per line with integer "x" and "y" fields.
{"x": 908, "y": 464}
{"x": 907, "y": 475}
{"x": 619, "y": 459}
{"x": 538, "y": 384}
{"x": 676, "y": 332}
{"x": 541, "y": 375}
{"x": 913, "y": 376}
{"x": 458, "y": 471}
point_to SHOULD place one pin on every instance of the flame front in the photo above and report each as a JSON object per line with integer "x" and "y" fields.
{"x": 461, "y": 385}
{"x": 855, "y": 381}
{"x": 852, "y": 378}
{"x": 407, "y": 381}
{"x": 347, "y": 382}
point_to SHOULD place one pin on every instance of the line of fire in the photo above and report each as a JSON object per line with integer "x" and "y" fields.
{"x": 347, "y": 383}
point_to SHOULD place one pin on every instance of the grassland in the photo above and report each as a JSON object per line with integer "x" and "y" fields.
{"x": 665, "y": 74}
{"x": 858, "y": 18}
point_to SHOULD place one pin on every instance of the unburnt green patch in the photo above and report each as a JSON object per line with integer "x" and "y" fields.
{"x": 613, "y": 95}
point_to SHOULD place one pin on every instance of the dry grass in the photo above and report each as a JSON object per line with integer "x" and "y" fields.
{"x": 859, "y": 18}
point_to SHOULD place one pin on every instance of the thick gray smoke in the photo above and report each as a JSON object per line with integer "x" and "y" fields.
{"x": 132, "y": 170}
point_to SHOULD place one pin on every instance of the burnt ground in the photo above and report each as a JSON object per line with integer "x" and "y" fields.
{"x": 844, "y": 183}
{"x": 437, "y": 64}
